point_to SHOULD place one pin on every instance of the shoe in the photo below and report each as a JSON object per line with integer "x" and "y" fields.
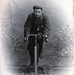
{"x": 31, "y": 64}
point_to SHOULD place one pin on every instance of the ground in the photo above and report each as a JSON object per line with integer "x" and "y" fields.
{"x": 52, "y": 63}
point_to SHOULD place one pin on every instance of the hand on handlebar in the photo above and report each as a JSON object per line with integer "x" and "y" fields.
{"x": 26, "y": 39}
{"x": 45, "y": 38}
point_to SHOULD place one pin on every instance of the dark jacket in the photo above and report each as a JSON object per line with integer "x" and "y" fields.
{"x": 36, "y": 26}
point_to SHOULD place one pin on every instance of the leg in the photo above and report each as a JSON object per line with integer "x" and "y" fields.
{"x": 31, "y": 53}
{"x": 30, "y": 48}
{"x": 40, "y": 44}
{"x": 32, "y": 56}
{"x": 37, "y": 56}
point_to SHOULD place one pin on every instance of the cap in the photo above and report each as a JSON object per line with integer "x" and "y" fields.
{"x": 37, "y": 7}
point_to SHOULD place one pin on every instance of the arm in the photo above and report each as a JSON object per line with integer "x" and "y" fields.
{"x": 46, "y": 27}
{"x": 27, "y": 27}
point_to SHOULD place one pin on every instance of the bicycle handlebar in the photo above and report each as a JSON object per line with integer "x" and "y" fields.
{"x": 35, "y": 35}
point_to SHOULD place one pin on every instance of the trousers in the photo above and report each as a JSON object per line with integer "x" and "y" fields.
{"x": 31, "y": 45}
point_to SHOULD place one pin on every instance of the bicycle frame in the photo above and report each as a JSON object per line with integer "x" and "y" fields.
{"x": 35, "y": 51}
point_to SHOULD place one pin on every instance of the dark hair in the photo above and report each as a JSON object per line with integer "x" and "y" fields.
{"x": 37, "y": 7}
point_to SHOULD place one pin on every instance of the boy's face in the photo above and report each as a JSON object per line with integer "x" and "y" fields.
{"x": 37, "y": 12}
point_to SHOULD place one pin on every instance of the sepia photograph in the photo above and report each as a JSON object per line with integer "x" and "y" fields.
{"x": 37, "y": 37}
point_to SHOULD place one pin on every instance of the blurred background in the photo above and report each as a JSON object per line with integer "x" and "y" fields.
{"x": 57, "y": 52}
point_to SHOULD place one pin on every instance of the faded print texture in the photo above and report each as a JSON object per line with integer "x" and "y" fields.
{"x": 58, "y": 53}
